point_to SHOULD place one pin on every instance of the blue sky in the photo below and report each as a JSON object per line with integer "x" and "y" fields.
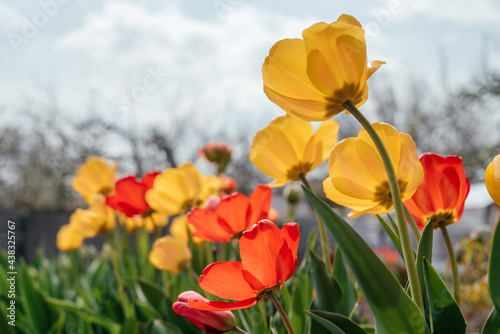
{"x": 204, "y": 57}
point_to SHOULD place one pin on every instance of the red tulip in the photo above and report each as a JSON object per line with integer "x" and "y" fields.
{"x": 233, "y": 215}
{"x": 129, "y": 197}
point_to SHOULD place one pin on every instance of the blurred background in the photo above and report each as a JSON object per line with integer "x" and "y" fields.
{"x": 147, "y": 84}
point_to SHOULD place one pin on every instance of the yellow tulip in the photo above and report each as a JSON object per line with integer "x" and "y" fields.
{"x": 179, "y": 229}
{"x": 170, "y": 254}
{"x": 96, "y": 219}
{"x": 289, "y": 147}
{"x": 312, "y": 77}
{"x": 177, "y": 190}
{"x": 492, "y": 179}
{"x": 95, "y": 176}
{"x": 68, "y": 238}
{"x": 357, "y": 177}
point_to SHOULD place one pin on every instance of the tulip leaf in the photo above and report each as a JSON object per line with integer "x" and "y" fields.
{"x": 85, "y": 313}
{"x": 494, "y": 269}
{"x": 492, "y": 325}
{"x": 425, "y": 252}
{"x": 301, "y": 291}
{"x": 342, "y": 322}
{"x": 38, "y": 314}
{"x": 446, "y": 315}
{"x": 328, "y": 325}
{"x": 328, "y": 290}
{"x": 393, "y": 309}
{"x": 349, "y": 296}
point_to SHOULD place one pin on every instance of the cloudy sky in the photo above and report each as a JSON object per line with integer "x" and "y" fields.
{"x": 179, "y": 56}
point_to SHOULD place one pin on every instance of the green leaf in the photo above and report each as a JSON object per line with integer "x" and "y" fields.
{"x": 425, "y": 252}
{"x": 446, "y": 315}
{"x": 342, "y": 322}
{"x": 393, "y": 309}
{"x": 328, "y": 325}
{"x": 86, "y": 314}
{"x": 32, "y": 301}
{"x": 349, "y": 297}
{"x": 494, "y": 269}
{"x": 328, "y": 290}
{"x": 492, "y": 325}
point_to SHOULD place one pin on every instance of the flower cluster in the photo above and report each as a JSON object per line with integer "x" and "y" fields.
{"x": 245, "y": 255}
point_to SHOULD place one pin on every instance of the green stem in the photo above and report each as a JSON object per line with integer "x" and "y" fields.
{"x": 453, "y": 261}
{"x": 413, "y": 224}
{"x": 322, "y": 230}
{"x": 404, "y": 235}
{"x": 282, "y": 313}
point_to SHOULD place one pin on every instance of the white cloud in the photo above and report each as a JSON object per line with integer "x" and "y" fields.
{"x": 10, "y": 18}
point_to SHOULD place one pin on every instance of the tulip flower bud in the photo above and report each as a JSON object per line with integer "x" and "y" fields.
{"x": 209, "y": 321}
{"x": 218, "y": 153}
{"x": 292, "y": 193}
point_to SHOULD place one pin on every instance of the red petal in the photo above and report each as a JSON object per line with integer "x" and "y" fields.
{"x": 259, "y": 249}
{"x": 208, "y": 227}
{"x": 291, "y": 233}
{"x": 234, "y": 210}
{"x": 149, "y": 179}
{"x": 225, "y": 280}
{"x": 223, "y": 306}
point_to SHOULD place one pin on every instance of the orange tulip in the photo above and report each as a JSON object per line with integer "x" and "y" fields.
{"x": 442, "y": 194}
{"x": 233, "y": 215}
{"x": 217, "y": 152}
{"x": 268, "y": 260}
{"x": 130, "y": 194}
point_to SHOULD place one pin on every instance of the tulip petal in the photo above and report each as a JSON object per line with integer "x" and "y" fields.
{"x": 234, "y": 211}
{"x": 319, "y": 109}
{"x": 209, "y": 227}
{"x": 259, "y": 249}
{"x": 225, "y": 280}
{"x": 284, "y": 71}
{"x": 260, "y": 202}
{"x": 170, "y": 254}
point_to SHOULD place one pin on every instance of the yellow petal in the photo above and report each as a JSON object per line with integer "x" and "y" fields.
{"x": 170, "y": 254}
{"x": 307, "y": 110}
{"x": 179, "y": 230}
{"x": 492, "y": 179}
{"x": 325, "y": 138}
{"x": 284, "y": 71}
{"x": 93, "y": 177}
